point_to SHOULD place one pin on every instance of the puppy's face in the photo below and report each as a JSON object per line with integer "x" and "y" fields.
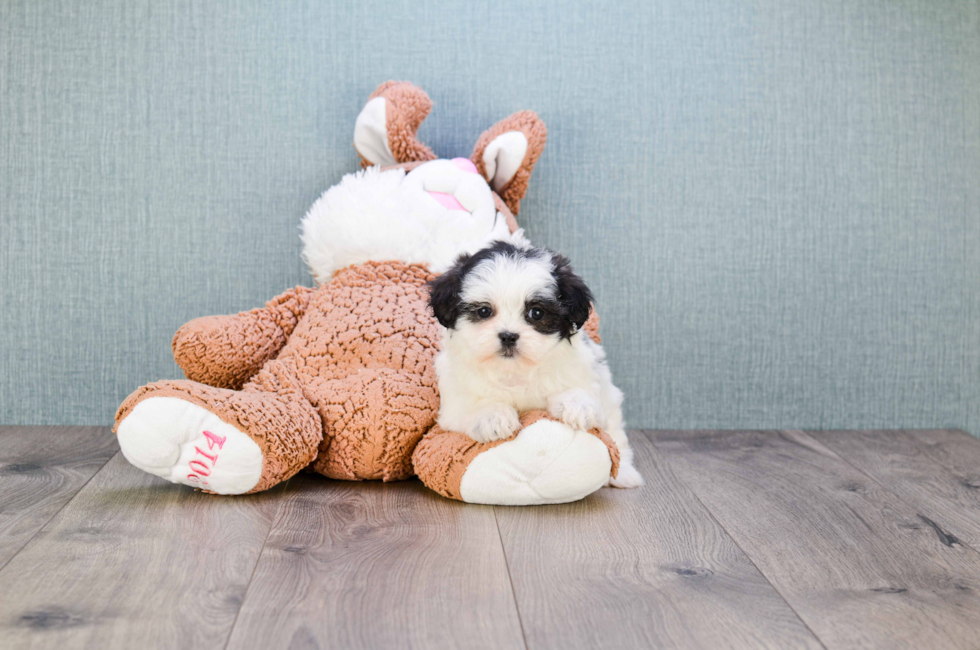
{"x": 510, "y": 304}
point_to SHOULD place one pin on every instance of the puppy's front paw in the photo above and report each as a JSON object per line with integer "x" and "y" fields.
{"x": 494, "y": 422}
{"x": 626, "y": 477}
{"x": 576, "y": 408}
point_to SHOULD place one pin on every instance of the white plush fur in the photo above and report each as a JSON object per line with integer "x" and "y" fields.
{"x": 482, "y": 391}
{"x": 166, "y": 436}
{"x": 388, "y": 215}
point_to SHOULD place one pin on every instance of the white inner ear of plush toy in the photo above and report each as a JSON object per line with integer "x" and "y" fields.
{"x": 371, "y": 133}
{"x": 503, "y": 157}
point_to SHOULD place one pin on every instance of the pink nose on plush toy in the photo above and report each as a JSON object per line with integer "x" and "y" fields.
{"x": 449, "y": 201}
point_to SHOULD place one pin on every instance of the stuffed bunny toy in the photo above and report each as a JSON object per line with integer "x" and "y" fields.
{"x": 339, "y": 379}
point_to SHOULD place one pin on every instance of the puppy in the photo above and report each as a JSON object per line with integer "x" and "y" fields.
{"x": 513, "y": 342}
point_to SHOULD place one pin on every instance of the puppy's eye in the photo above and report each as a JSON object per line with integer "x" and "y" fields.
{"x": 535, "y": 314}
{"x": 484, "y": 312}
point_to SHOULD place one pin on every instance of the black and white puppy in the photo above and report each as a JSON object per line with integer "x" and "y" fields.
{"x": 514, "y": 342}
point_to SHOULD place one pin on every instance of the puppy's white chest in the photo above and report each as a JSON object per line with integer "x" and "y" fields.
{"x": 511, "y": 380}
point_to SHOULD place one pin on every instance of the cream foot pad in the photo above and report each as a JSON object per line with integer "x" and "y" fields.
{"x": 185, "y": 443}
{"x": 546, "y": 462}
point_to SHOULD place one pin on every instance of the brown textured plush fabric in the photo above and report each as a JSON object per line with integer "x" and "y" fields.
{"x": 406, "y": 106}
{"x": 504, "y": 210}
{"x": 591, "y": 326}
{"x": 340, "y": 378}
{"x": 442, "y": 457}
{"x": 271, "y": 410}
{"x": 533, "y": 128}
{"x": 611, "y": 446}
{"x": 365, "y": 350}
{"x": 225, "y": 351}
{"x": 354, "y": 381}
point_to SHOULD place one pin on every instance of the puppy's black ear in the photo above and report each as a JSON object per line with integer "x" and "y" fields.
{"x": 575, "y": 298}
{"x": 444, "y": 294}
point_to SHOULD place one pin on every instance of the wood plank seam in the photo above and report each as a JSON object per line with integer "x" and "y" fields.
{"x": 372, "y": 565}
{"x": 945, "y": 537}
{"x": 63, "y": 506}
{"x": 258, "y": 560}
{"x": 731, "y": 537}
{"x": 513, "y": 592}
{"x": 134, "y": 558}
{"x": 855, "y": 558}
{"x": 640, "y": 569}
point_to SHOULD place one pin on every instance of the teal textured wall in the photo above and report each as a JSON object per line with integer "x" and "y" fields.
{"x": 777, "y": 203}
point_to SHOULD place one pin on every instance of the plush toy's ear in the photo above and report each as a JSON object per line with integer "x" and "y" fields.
{"x": 574, "y": 296}
{"x": 445, "y": 293}
{"x": 384, "y": 133}
{"x": 506, "y": 154}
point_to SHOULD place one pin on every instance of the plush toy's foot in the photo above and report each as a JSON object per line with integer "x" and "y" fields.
{"x": 220, "y": 440}
{"x": 185, "y": 443}
{"x": 546, "y": 462}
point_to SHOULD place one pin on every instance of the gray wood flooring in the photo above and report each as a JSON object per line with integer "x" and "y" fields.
{"x": 740, "y": 539}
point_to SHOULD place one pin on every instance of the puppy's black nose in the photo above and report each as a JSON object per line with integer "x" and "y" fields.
{"x": 508, "y": 339}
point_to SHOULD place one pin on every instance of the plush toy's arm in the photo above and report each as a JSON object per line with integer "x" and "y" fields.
{"x": 225, "y": 351}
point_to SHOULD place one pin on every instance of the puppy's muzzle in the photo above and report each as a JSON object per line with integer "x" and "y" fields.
{"x": 508, "y": 343}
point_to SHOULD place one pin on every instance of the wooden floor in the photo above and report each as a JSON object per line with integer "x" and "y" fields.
{"x": 753, "y": 539}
